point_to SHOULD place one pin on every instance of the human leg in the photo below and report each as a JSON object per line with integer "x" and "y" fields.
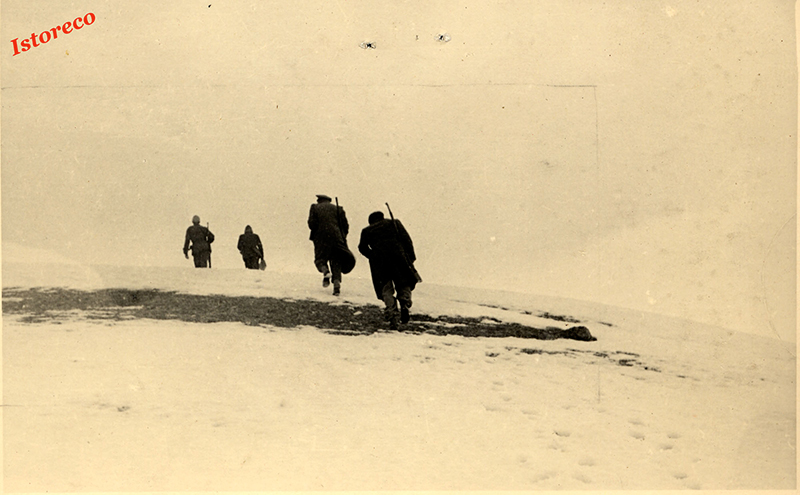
{"x": 404, "y": 296}
{"x": 322, "y": 265}
{"x": 321, "y": 262}
{"x": 201, "y": 259}
{"x": 336, "y": 272}
{"x": 390, "y": 312}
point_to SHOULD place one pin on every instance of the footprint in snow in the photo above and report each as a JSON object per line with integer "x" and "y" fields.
{"x": 638, "y": 435}
{"x": 544, "y": 476}
{"x": 492, "y": 408}
{"x": 582, "y": 477}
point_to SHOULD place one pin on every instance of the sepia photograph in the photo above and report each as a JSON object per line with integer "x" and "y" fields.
{"x": 262, "y": 246}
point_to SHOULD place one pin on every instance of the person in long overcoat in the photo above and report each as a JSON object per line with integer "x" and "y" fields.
{"x": 251, "y": 249}
{"x": 390, "y": 251}
{"x": 329, "y": 228}
{"x": 200, "y": 239}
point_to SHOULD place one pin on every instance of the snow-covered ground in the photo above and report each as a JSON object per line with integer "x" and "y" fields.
{"x": 140, "y": 405}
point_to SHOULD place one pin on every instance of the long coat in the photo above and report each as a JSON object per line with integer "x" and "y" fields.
{"x": 250, "y": 245}
{"x": 390, "y": 251}
{"x": 200, "y": 239}
{"x": 326, "y": 227}
{"x": 329, "y": 229}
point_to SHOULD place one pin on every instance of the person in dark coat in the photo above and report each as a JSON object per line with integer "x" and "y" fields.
{"x": 329, "y": 228}
{"x": 390, "y": 251}
{"x": 251, "y": 249}
{"x": 200, "y": 239}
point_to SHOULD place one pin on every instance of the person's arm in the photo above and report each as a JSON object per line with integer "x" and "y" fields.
{"x": 405, "y": 241}
{"x": 312, "y": 222}
{"x": 259, "y": 247}
{"x": 363, "y": 247}
{"x": 186, "y": 245}
{"x": 344, "y": 225}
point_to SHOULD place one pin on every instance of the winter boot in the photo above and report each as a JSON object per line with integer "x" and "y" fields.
{"x": 404, "y": 316}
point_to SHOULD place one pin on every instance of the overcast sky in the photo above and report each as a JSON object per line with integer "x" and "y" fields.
{"x": 641, "y": 154}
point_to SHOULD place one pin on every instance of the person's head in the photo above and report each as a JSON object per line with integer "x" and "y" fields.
{"x": 248, "y": 230}
{"x": 196, "y": 220}
{"x": 323, "y": 198}
{"x": 375, "y": 217}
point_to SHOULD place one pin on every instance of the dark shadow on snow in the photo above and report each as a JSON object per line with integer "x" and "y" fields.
{"x": 42, "y": 305}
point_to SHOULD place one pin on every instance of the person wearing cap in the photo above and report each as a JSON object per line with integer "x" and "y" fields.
{"x": 390, "y": 251}
{"x": 251, "y": 249}
{"x": 200, "y": 239}
{"x": 329, "y": 228}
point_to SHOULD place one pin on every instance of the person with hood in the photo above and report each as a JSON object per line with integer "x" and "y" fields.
{"x": 329, "y": 228}
{"x": 200, "y": 238}
{"x": 251, "y": 249}
{"x": 390, "y": 251}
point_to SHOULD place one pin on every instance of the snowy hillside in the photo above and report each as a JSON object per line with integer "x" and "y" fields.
{"x": 164, "y": 384}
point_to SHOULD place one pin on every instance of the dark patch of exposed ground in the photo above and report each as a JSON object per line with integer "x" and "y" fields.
{"x": 42, "y": 305}
{"x": 621, "y": 358}
{"x": 541, "y": 314}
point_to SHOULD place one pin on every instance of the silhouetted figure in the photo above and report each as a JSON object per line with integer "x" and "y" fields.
{"x": 251, "y": 249}
{"x": 329, "y": 228}
{"x": 390, "y": 251}
{"x": 200, "y": 239}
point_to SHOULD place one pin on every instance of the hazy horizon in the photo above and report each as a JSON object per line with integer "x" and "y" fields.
{"x": 641, "y": 156}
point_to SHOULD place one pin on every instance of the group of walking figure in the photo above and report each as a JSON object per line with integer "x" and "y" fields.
{"x": 384, "y": 242}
